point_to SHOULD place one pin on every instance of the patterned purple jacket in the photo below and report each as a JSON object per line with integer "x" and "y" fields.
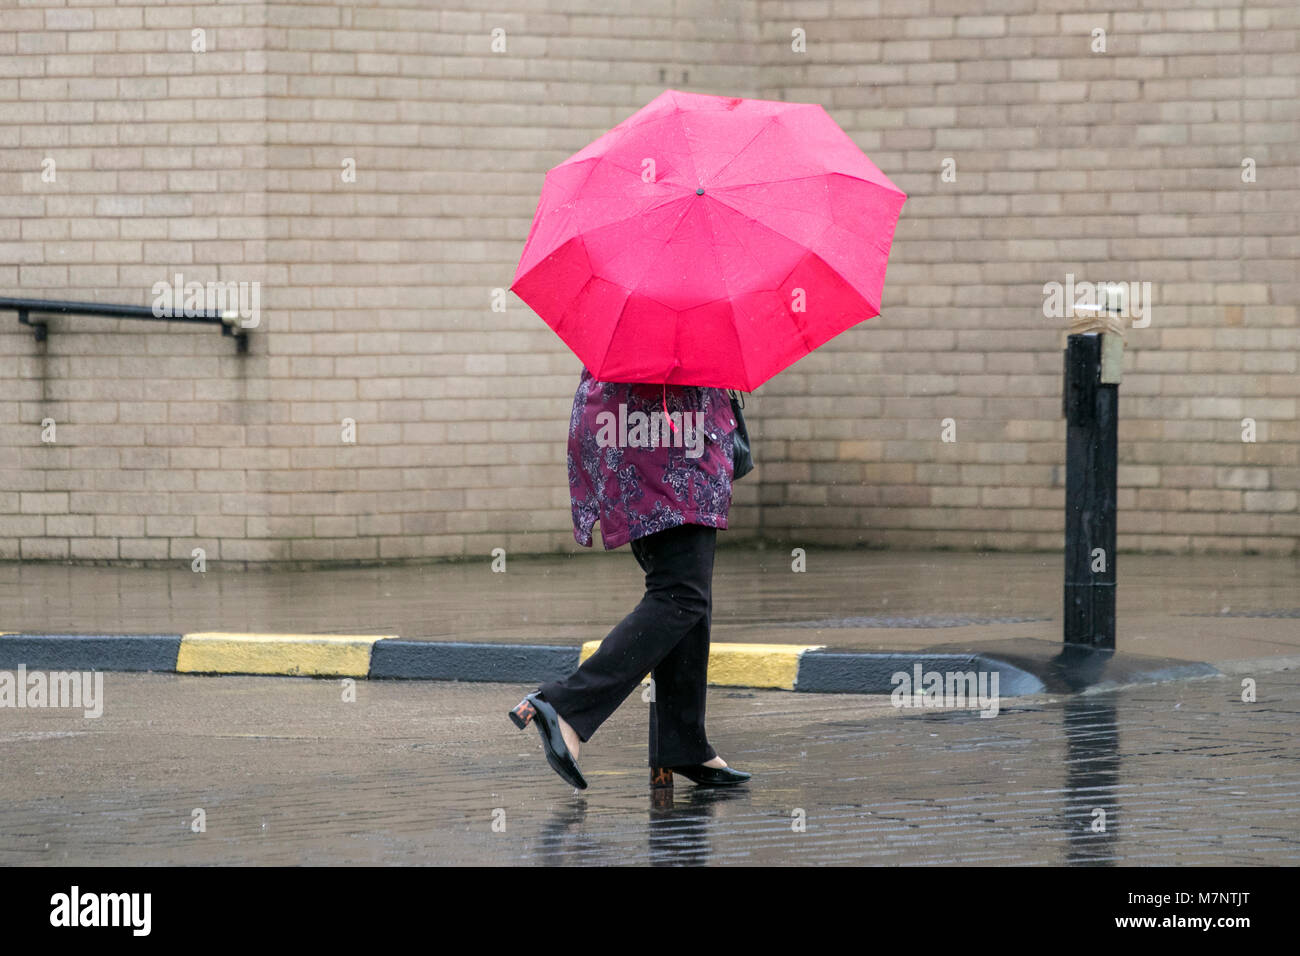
{"x": 636, "y": 475}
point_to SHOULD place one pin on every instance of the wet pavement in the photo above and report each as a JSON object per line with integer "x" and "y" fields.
{"x": 286, "y": 772}
{"x": 1203, "y": 607}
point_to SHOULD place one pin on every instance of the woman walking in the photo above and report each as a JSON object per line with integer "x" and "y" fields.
{"x": 652, "y": 464}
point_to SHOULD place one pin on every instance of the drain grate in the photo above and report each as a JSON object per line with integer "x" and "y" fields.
{"x": 923, "y": 621}
{"x": 1276, "y": 612}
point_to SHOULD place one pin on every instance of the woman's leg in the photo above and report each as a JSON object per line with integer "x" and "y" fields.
{"x": 677, "y": 735}
{"x": 678, "y": 565}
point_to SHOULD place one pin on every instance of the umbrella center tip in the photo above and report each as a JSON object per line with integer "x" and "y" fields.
{"x": 700, "y": 191}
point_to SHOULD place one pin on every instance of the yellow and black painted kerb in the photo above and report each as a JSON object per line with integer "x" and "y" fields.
{"x": 1024, "y": 667}
{"x": 363, "y": 655}
{"x": 746, "y": 665}
{"x": 289, "y": 655}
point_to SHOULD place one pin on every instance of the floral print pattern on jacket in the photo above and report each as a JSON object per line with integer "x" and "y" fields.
{"x": 636, "y": 474}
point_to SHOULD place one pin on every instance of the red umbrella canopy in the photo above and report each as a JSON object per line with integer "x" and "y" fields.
{"x": 709, "y": 240}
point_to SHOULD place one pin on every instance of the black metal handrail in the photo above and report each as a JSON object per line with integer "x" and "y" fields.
{"x": 229, "y": 321}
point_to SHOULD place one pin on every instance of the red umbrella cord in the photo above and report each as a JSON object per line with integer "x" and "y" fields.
{"x": 671, "y": 423}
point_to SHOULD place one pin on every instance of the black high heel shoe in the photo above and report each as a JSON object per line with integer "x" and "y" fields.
{"x": 558, "y": 756}
{"x": 699, "y": 774}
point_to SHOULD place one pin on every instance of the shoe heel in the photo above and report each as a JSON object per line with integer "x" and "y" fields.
{"x": 523, "y": 713}
{"x": 661, "y": 778}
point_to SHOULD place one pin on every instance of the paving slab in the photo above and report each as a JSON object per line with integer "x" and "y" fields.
{"x": 288, "y": 771}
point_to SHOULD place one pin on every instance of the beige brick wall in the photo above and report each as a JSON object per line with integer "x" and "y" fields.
{"x": 157, "y": 157}
{"x": 1122, "y": 165}
{"x": 378, "y": 294}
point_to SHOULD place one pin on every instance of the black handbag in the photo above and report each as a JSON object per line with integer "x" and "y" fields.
{"x": 742, "y": 460}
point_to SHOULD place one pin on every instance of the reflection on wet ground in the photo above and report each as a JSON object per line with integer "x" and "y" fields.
{"x": 412, "y": 773}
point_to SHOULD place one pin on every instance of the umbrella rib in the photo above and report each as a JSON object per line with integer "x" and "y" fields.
{"x": 595, "y": 161}
{"x": 740, "y": 152}
{"x": 632, "y": 292}
{"x": 801, "y": 146}
{"x": 765, "y": 225}
{"x": 627, "y": 126}
{"x": 865, "y": 182}
{"x": 795, "y": 179}
{"x": 614, "y": 331}
{"x": 803, "y": 245}
{"x": 740, "y": 345}
{"x": 714, "y": 220}
{"x": 678, "y": 112}
{"x": 807, "y": 251}
{"x": 798, "y": 323}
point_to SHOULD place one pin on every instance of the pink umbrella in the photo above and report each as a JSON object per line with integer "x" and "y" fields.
{"x": 709, "y": 241}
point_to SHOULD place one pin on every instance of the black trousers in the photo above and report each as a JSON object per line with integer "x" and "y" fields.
{"x": 666, "y": 636}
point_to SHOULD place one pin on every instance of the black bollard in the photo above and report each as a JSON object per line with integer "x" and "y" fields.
{"x": 1091, "y": 448}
